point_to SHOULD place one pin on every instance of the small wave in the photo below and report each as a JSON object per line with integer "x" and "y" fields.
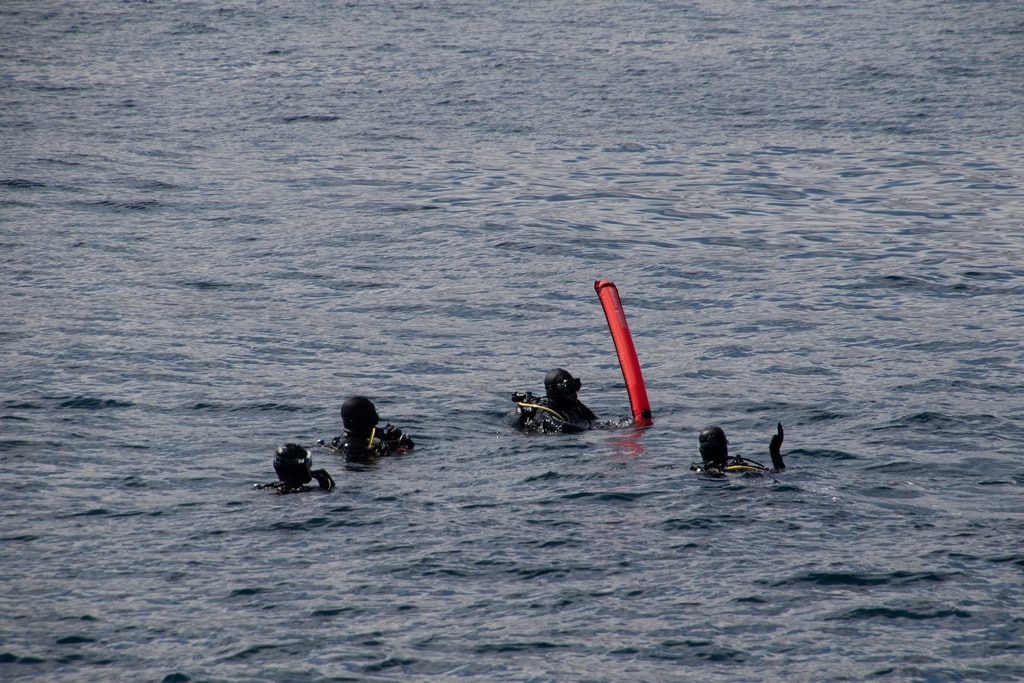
{"x": 518, "y": 646}
{"x": 20, "y": 183}
{"x": 891, "y": 493}
{"x": 626, "y": 147}
{"x": 549, "y": 475}
{"x": 685, "y": 215}
{"x": 253, "y": 651}
{"x": 614, "y": 496}
{"x": 927, "y": 417}
{"x": 122, "y": 206}
{"x": 697, "y": 650}
{"x": 88, "y": 403}
{"x": 95, "y": 512}
{"x": 333, "y": 612}
{"x": 205, "y": 285}
{"x": 389, "y": 663}
{"x": 774, "y": 191}
{"x": 11, "y": 658}
{"x": 904, "y": 213}
{"x": 823, "y": 453}
{"x": 21, "y": 405}
{"x": 193, "y": 28}
{"x": 899, "y": 578}
{"x": 312, "y": 523}
{"x": 355, "y": 522}
{"x": 692, "y": 523}
{"x": 311, "y": 118}
{"x": 283, "y": 407}
{"x": 1017, "y": 560}
{"x": 7, "y": 445}
{"x": 528, "y": 574}
{"x": 478, "y": 506}
{"x": 914, "y": 614}
{"x": 824, "y": 415}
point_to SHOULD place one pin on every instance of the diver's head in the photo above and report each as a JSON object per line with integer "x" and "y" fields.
{"x": 293, "y": 464}
{"x": 561, "y": 386}
{"x": 358, "y": 415}
{"x": 714, "y": 447}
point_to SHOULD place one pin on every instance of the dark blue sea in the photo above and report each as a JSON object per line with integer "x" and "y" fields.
{"x": 220, "y": 219}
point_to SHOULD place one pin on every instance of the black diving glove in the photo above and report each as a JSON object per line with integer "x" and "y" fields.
{"x": 774, "y": 449}
{"x": 324, "y": 479}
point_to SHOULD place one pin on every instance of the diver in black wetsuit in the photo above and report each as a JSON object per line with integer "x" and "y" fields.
{"x": 714, "y": 452}
{"x": 293, "y": 465}
{"x": 362, "y": 441}
{"x": 560, "y": 410}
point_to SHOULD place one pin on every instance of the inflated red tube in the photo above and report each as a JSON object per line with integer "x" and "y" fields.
{"x": 609, "y": 296}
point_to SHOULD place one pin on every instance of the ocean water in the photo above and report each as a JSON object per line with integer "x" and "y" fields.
{"x": 218, "y": 220}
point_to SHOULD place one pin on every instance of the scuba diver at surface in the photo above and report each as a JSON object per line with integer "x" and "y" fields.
{"x": 714, "y": 453}
{"x": 294, "y": 467}
{"x": 559, "y": 410}
{"x": 362, "y": 441}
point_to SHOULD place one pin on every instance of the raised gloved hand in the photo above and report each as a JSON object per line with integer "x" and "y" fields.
{"x": 774, "y": 449}
{"x": 324, "y": 479}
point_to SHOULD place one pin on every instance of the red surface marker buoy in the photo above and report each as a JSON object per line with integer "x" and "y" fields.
{"x": 630, "y": 364}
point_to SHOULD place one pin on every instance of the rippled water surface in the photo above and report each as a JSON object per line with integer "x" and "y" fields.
{"x": 219, "y": 220}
